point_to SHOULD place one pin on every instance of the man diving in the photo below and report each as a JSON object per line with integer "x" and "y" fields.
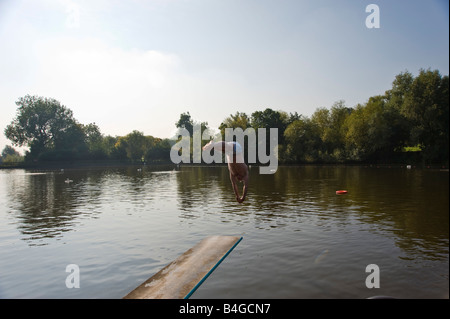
{"x": 236, "y": 165}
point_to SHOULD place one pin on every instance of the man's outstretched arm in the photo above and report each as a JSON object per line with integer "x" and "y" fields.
{"x": 245, "y": 189}
{"x": 235, "y": 188}
{"x": 234, "y": 183}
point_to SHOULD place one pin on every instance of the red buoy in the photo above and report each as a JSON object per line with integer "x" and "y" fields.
{"x": 341, "y": 192}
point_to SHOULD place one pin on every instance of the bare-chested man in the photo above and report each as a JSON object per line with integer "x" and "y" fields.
{"x": 236, "y": 165}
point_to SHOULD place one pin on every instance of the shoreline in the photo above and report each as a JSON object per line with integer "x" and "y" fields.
{"x": 109, "y": 164}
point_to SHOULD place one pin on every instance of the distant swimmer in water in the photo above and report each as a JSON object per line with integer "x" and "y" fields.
{"x": 236, "y": 165}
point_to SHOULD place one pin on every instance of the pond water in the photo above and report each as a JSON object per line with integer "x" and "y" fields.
{"x": 300, "y": 240}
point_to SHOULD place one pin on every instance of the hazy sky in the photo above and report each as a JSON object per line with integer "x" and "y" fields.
{"x": 139, "y": 64}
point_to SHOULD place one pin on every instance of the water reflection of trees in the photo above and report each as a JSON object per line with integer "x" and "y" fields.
{"x": 45, "y": 206}
{"x": 199, "y": 187}
{"x": 410, "y": 205}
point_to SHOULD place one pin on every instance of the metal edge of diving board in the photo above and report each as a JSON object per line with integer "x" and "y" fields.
{"x": 183, "y": 276}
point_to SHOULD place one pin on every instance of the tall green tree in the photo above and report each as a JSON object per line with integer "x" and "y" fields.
{"x": 68, "y": 146}
{"x": 94, "y": 141}
{"x": 134, "y": 144}
{"x": 40, "y": 123}
{"x": 331, "y": 129}
{"x": 270, "y": 119}
{"x": 401, "y": 87}
{"x": 185, "y": 121}
{"x": 109, "y": 148}
{"x": 379, "y": 129}
{"x": 375, "y": 131}
{"x": 357, "y": 134}
{"x": 427, "y": 107}
{"x": 422, "y": 103}
{"x": 160, "y": 151}
{"x": 240, "y": 119}
{"x": 302, "y": 141}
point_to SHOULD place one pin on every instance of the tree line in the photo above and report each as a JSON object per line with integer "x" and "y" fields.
{"x": 52, "y": 134}
{"x": 410, "y": 122}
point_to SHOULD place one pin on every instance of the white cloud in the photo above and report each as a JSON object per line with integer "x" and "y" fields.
{"x": 104, "y": 84}
{"x": 73, "y": 15}
{"x": 91, "y": 64}
{"x": 126, "y": 89}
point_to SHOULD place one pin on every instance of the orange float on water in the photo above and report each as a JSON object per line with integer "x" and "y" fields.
{"x": 341, "y": 192}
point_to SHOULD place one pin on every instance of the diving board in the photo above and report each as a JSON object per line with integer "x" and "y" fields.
{"x": 181, "y": 278}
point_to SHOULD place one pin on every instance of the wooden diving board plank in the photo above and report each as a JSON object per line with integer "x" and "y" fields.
{"x": 184, "y": 275}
